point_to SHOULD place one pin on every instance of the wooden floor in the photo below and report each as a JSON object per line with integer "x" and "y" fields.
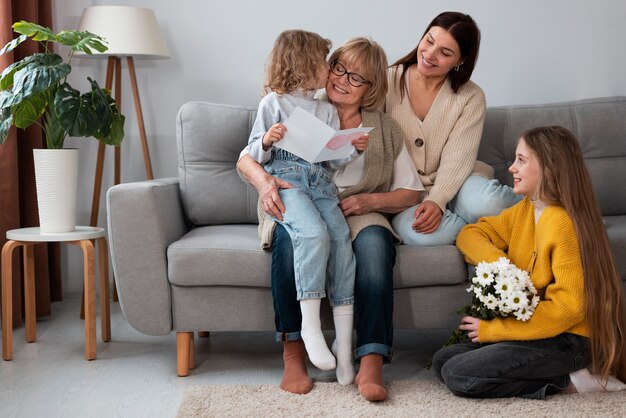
{"x": 134, "y": 375}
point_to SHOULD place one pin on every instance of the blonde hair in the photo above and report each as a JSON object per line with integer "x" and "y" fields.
{"x": 566, "y": 182}
{"x": 370, "y": 57}
{"x": 295, "y": 61}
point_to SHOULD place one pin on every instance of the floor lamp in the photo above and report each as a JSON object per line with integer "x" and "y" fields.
{"x": 130, "y": 32}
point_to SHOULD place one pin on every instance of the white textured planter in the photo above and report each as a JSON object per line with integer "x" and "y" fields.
{"x": 56, "y": 177}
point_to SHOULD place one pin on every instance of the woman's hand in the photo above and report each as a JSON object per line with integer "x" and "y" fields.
{"x": 361, "y": 143}
{"x": 269, "y": 196}
{"x": 427, "y": 217}
{"x": 274, "y": 134}
{"x": 470, "y": 324}
{"x": 358, "y": 204}
{"x": 266, "y": 185}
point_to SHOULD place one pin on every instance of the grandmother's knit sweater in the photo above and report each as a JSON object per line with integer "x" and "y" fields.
{"x": 550, "y": 252}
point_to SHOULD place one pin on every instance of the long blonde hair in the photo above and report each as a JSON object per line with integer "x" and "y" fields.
{"x": 295, "y": 61}
{"x": 566, "y": 182}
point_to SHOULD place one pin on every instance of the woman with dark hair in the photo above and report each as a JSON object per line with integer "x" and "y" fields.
{"x": 382, "y": 181}
{"x": 557, "y": 234}
{"x": 441, "y": 112}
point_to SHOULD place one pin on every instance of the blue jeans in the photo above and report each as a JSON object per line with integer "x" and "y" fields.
{"x": 476, "y": 198}
{"x": 318, "y": 230}
{"x": 529, "y": 369}
{"x": 375, "y": 254}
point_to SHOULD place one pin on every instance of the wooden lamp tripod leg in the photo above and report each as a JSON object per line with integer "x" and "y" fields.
{"x": 142, "y": 128}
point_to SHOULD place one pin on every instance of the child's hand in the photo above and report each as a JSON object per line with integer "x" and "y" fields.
{"x": 275, "y": 134}
{"x": 361, "y": 143}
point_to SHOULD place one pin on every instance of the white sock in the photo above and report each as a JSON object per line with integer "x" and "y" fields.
{"x": 585, "y": 382}
{"x": 314, "y": 341}
{"x": 342, "y": 346}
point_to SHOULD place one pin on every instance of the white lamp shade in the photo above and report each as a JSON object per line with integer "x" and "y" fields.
{"x": 129, "y": 31}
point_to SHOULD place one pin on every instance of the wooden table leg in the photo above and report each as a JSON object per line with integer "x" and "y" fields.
{"x": 89, "y": 261}
{"x": 29, "y": 292}
{"x": 7, "y": 298}
{"x": 105, "y": 300}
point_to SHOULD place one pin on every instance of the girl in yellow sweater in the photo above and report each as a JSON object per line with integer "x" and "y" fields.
{"x": 556, "y": 233}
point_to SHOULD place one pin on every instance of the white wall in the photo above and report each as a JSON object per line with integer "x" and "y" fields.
{"x": 532, "y": 52}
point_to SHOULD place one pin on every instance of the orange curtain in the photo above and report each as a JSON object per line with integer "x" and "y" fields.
{"x": 18, "y": 200}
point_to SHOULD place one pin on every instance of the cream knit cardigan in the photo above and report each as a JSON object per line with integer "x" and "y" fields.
{"x": 444, "y": 146}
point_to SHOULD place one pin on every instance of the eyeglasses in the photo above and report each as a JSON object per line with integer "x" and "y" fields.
{"x": 354, "y": 79}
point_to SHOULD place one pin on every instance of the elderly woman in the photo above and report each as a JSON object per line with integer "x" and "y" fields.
{"x": 441, "y": 112}
{"x": 382, "y": 182}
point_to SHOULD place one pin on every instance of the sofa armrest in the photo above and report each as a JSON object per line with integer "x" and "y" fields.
{"x": 144, "y": 218}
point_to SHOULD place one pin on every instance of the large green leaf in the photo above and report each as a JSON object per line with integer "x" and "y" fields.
{"x": 14, "y": 43}
{"x": 6, "y": 99}
{"x": 116, "y": 133}
{"x": 6, "y": 78}
{"x": 111, "y": 130}
{"x": 41, "y": 73}
{"x": 75, "y": 111}
{"x": 103, "y": 105}
{"x": 6, "y": 120}
{"x": 29, "y": 110}
{"x": 32, "y": 30}
{"x": 82, "y": 41}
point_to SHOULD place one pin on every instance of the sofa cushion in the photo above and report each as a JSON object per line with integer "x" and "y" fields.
{"x": 209, "y": 138}
{"x": 229, "y": 255}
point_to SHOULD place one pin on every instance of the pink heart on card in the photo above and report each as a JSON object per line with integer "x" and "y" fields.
{"x": 341, "y": 140}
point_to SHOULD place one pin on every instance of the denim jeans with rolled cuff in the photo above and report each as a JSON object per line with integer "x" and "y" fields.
{"x": 322, "y": 251}
{"x": 375, "y": 253}
{"x": 527, "y": 369}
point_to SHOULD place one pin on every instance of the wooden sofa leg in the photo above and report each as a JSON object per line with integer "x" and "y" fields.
{"x": 183, "y": 345}
{"x": 192, "y": 352}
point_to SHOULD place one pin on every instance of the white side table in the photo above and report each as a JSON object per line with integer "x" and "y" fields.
{"x": 83, "y": 236}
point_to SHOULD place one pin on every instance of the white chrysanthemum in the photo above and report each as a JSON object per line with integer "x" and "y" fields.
{"x": 523, "y": 314}
{"x": 517, "y": 300}
{"x": 490, "y": 301}
{"x": 503, "y": 307}
{"x": 534, "y": 302}
{"x": 504, "y": 286}
{"x": 484, "y": 275}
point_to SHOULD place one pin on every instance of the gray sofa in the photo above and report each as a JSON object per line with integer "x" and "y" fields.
{"x": 185, "y": 250}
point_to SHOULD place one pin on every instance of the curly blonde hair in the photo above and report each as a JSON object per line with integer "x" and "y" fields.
{"x": 294, "y": 61}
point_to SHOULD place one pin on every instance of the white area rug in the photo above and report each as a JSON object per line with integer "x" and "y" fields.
{"x": 411, "y": 398}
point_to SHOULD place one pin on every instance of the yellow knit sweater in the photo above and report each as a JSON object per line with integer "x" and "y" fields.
{"x": 549, "y": 251}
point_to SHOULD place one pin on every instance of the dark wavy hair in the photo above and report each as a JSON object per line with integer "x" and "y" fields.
{"x": 465, "y": 32}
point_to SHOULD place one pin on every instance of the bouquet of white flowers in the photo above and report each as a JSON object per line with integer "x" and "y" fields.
{"x": 500, "y": 289}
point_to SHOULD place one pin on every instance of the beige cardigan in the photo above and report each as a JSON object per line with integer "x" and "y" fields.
{"x": 385, "y": 144}
{"x": 444, "y": 146}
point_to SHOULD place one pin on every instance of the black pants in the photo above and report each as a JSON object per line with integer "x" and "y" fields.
{"x": 529, "y": 369}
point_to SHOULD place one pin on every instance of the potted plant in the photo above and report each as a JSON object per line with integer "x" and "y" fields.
{"x": 35, "y": 90}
